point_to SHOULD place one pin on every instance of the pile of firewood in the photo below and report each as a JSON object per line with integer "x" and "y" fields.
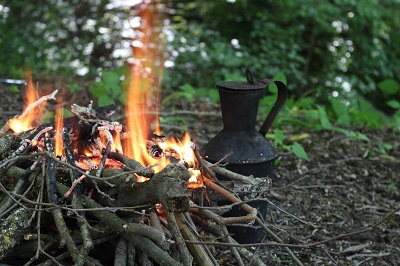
{"x": 65, "y": 210}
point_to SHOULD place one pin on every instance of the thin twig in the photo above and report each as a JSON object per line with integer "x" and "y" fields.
{"x": 28, "y": 109}
{"x": 185, "y": 256}
{"x": 234, "y": 251}
{"x": 310, "y": 245}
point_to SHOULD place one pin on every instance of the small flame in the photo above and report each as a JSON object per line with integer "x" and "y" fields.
{"x": 26, "y": 121}
{"x": 117, "y": 142}
{"x": 186, "y": 156}
{"x": 59, "y": 123}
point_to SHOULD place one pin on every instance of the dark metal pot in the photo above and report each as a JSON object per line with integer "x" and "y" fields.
{"x": 239, "y": 145}
{"x": 252, "y": 153}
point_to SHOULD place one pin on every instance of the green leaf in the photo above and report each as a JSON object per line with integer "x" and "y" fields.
{"x": 202, "y": 92}
{"x": 105, "y": 100}
{"x": 279, "y": 137}
{"x": 122, "y": 97}
{"x": 187, "y": 88}
{"x": 381, "y": 147}
{"x": 267, "y": 100}
{"x": 110, "y": 79}
{"x": 388, "y": 146}
{"x": 14, "y": 88}
{"x": 67, "y": 113}
{"x": 115, "y": 91}
{"x": 361, "y": 136}
{"x": 299, "y": 151}
{"x": 397, "y": 122}
{"x": 281, "y": 77}
{"x": 390, "y": 86}
{"x": 74, "y": 88}
{"x": 392, "y": 187}
{"x": 172, "y": 119}
{"x": 48, "y": 116}
{"x": 214, "y": 95}
{"x": 346, "y": 132}
{"x": 323, "y": 117}
{"x": 341, "y": 111}
{"x": 99, "y": 89}
{"x": 393, "y": 103}
{"x": 306, "y": 103}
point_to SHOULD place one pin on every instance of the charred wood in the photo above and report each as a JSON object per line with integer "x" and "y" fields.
{"x": 167, "y": 187}
{"x": 132, "y": 164}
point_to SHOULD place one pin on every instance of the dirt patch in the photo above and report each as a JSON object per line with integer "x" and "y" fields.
{"x": 347, "y": 185}
{"x": 344, "y": 187}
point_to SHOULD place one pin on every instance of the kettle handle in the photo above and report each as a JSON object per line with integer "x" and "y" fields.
{"x": 280, "y": 101}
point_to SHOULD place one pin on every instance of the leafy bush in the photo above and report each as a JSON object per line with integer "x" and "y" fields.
{"x": 111, "y": 88}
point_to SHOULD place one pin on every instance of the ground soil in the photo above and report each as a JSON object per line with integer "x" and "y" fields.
{"x": 346, "y": 186}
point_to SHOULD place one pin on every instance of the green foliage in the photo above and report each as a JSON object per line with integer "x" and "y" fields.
{"x": 389, "y": 86}
{"x": 384, "y": 147}
{"x": 110, "y": 89}
{"x": 279, "y": 137}
{"x": 297, "y": 149}
{"x": 58, "y": 37}
{"x": 341, "y": 59}
{"x": 74, "y": 88}
{"x": 392, "y": 187}
{"x": 189, "y": 93}
{"x": 341, "y": 111}
{"x": 14, "y": 88}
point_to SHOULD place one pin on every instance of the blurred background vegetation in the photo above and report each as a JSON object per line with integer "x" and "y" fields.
{"x": 340, "y": 58}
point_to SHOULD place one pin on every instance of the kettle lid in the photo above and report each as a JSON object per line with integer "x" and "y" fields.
{"x": 243, "y": 85}
{"x": 240, "y": 85}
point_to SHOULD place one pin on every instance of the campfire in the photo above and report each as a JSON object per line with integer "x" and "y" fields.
{"x": 113, "y": 183}
{"x": 91, "y": 189}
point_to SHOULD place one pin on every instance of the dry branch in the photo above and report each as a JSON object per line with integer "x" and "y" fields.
{"x": 122, "y": 228}
{"x": 198, "y": 252}
{"x": 12, "y": 230}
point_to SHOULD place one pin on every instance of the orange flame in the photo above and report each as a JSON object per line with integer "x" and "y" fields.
{"x": 185, "y": 154}
{"x": 26, "y": 121}
{"x": 59, "y": 123}
{"x": 117, "y": 142}
{"x": 143, "y": 93}
{"x": 143, "y": 81}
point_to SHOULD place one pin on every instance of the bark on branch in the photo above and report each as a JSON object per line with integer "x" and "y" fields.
{"x": 167, "y": 187}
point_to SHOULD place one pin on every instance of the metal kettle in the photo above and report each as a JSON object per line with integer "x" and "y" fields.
{"x": 252, "y": 153}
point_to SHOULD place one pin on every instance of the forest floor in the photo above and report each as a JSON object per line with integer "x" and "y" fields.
{"x": 343, "y": 188}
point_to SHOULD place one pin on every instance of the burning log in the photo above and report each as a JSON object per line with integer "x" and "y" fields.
{"x": 167, "y": 187}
